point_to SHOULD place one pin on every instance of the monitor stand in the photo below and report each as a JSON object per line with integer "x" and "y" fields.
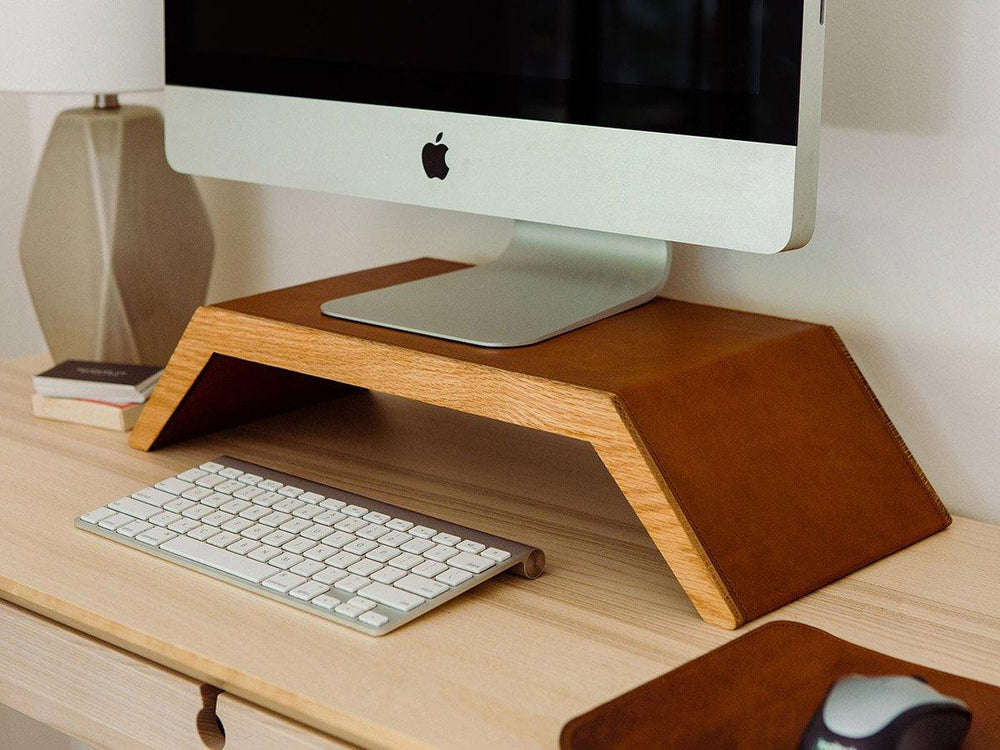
{"x": 548, "y": 281}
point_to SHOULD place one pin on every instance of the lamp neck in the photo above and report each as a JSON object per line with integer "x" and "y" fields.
{"x": 106, "y": 101}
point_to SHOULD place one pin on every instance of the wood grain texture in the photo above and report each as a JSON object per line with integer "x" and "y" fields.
{"x": 87, "y": 690}
{"x": 250, "y": 727}
{"x": 605, "y": 617}
{"x": 750, "y": 447}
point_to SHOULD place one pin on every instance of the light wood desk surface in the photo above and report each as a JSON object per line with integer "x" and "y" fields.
{"x": 505, "y": 665}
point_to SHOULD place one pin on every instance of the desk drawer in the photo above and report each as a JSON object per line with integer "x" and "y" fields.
{"x": 95, "y": 692}
{"x": 250, "y": 727}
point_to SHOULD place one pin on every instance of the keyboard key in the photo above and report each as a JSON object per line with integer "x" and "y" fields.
{"x": 365, "y": 567}
{"x": 352, "y": 583}
{"x": 268, "y": 499}
{"x": 230, "y": 472}
{"x": 388, "y": 575}
{"x": 216, "y": 500}
{"x": 391, "y": 596}
{"x": 350, "y": 525}
{"x": 155, "y": 537}
{"x": 255, "y": 513}
{"x": 421, "y": 586}
{"x": 220, "y": 559}
{"x": 165, "y": 518}
{"x": 236, "y": 525}
{"x": 264, "y": 552}
{"x": 318, "y": 531}
{"x": 295, "y": 525}
{"x": 192, "y": 475}
{"x": 361, "y": 603}
{"x": 498, "y": 555}
{"x": 283, "y": 582}
{"x": 289, "y": 491}
{"x": 319, "y": 552}
{"x": 467, "y": 545}
{"x": 212, "y": 467}
{"x": 354, "y": 510}
{"x": 197, "y": 493}
{"x": 217, "y": 518}
{"x": 375, "y": 619}
{"x": 348, "y": 610}
{"x": 112, "y": 522}
{"x": 326, "y": 601}
{"x": 243, "y": 546}
{"x": 229, "y": 487}
{"x": 269, "y": 485}
{"x": 338, "y": 539}
{"x": 417, "y": 546}
{"x": 308, "y": 512}
{"x": 449, "y": 540}
{"x": 383, "y": 554}
{"x": 133, "y": 528}
{"x": 376, "y": 517}
{"x": 184, "y": 525}
{"x": 441, "y": 553}
{"x": 453, "y": 577}
{"x": 298, "y": 545}
{"x": 285, "y": 560}
{"x": 424, "y": 532}
{"x": 398, "y": 524}
{"x": 135, "y": 508}
{"x": 153, "y": 496}
{"x": 429, "y": 568}
{"x": 311, "y": 497}
{"x": 332, "y": 504}
{"x": 202, "y": 532}
{"x": 372, "y": 531}
{"x": 330, "y": 575}
{"x": 235, "y": 506}
{"x": 212, "y": 480}
{"x": 288, "y": 505}
{"x": 308, "y": 590}
{"x": 257, "y": 532}
{"x": 179, "y": 505}
{"x": 360, "y": 546}
{"x": 223, "y": 539}
{"x": 275, "y": 519}
{"x": 471, "y": 563}
{"x": 197, "y": 512}
{"x": 96, "y": 516}
{"x": 249, "y": 478}
{"x": 329, "y": 517}
{"x": 342, "y": 560}
{"x": 406, "y": 560}
{"x": 174, "y": 486}
{"x": 394, "y": 539}
{"x": 307, "y": 568}
{"x": 248, "y": 493}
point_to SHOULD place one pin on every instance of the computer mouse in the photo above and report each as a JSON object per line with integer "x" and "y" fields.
{"x": 886, "y": 713}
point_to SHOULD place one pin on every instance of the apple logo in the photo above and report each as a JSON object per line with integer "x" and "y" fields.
{"x": 434, "y": 158}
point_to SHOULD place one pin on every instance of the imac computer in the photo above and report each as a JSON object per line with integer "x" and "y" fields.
{"x": 606, "y": 129}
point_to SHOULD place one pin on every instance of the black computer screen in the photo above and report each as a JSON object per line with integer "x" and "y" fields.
{"x": 715, "y": 68}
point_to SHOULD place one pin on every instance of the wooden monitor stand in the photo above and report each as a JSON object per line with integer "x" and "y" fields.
{"x": 750, "y": 447}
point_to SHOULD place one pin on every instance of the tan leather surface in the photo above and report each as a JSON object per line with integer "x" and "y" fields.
{"x": 762, "y": 428}
{"x": 759, "y": 691}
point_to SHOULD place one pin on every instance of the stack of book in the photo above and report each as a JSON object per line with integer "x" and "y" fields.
{"x": 94, "y": 393}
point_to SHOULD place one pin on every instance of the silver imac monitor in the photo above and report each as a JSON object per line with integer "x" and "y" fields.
{"x": 606, "y": 128}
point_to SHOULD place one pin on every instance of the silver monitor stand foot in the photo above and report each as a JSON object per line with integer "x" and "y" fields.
{"x": 548, "y": 281}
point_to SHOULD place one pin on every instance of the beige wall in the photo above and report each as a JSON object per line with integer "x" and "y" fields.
{"x": 904, "y": 262}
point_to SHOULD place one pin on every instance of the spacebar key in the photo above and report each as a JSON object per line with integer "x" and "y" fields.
{"x": 220, "y": 559}
{"x": 391, "y": 597}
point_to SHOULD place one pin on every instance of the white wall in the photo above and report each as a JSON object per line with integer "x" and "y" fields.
{"x": 904, "y": 262}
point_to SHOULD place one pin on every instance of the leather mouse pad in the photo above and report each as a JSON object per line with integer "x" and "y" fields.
{"x": 759, "y": 692}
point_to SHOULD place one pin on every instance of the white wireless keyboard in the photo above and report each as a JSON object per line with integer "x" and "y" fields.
{"x": 347, "y": 558}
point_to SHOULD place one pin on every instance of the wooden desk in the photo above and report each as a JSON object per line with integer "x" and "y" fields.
{"x": 503, "y": 666}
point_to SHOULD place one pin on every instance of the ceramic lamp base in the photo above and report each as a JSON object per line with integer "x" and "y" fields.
{"x": 117, "y": 248}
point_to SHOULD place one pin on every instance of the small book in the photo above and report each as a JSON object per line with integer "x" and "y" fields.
{"x": 98, "y": 381}
{"x": 121, "y": 417}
